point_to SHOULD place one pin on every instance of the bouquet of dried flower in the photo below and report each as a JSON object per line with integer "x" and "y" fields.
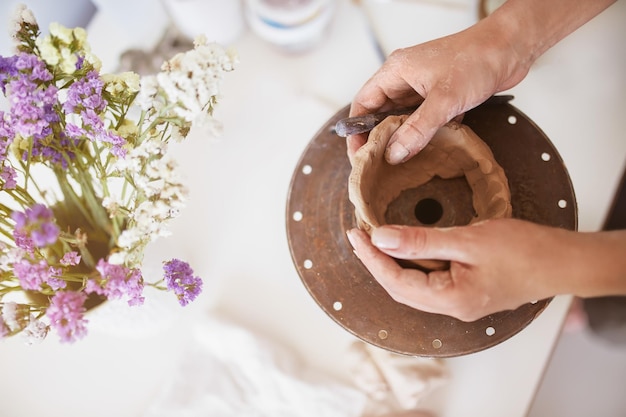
{"x": 85, "y": 178}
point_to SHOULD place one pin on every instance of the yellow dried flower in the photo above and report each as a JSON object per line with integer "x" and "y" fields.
{"x": 123, "y": 83}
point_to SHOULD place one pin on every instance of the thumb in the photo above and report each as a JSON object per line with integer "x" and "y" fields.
{"x": 406, "y": 242}
{"x": 420, "y": 127}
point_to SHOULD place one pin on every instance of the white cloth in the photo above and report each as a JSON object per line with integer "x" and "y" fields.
{"x": 230, "y": 372}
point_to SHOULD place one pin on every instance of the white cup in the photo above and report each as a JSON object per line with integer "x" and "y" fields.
{"x": 220, "y": 20}
{"x": 294, "y": 25}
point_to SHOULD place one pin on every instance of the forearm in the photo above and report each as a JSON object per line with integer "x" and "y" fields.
{"x": 595, "y": 264}
{"x": 533, "y": 26}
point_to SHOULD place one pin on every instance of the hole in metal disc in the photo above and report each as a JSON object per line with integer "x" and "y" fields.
{"x": 546, "y": 156}
{"x": 383, "y": 334}
{"x": 562, "y": 204}
{"x": 337, "y": 305}
{"x": 308, "y": 264}
{"x": 437, "y": 343}
{"x": 297, "y": 216}
{"x": 428, "y": 211}
{"x": 512, "y": 120}
{"x": 490, "y": 331}
{"x": 307, "y": 169}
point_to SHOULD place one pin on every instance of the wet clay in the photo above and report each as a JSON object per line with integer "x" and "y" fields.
{"x": 455, "y": 151}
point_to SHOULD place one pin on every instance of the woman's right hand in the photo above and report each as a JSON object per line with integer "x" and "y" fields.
{"x": 448, "y": 76}
{"x": 454, "y": 74}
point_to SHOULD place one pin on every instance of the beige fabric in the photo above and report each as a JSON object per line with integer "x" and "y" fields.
{"x": 394, "y": 383}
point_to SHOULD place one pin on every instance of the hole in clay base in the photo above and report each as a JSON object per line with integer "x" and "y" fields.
{"x": 490, "y": 331}
{"x": 297, "y": 216}
{"x": 308, "y": 264}
{"x": 428, "y": 211}
{"x": 545, "y": 156}
{"x": 512, "y": 120}
{"x": 307, "y": 169}
{"x": 337, "y": 305}
{"x": 562, "y": 204}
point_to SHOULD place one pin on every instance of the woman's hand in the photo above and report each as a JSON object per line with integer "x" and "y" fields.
{"x": 494, "y": 265}
{"x": 448, "y": 76}
{"x": 454, "y": 74}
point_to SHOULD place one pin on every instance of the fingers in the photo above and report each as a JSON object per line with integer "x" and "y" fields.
{"x": 415, "y": 133}
{"x": 404, "y": 242}
{"x": 433, "y": 292}
{"x": 385, "y": 90}
{"x": 381, "y": 264}
{"x": 370, "y": 99}
{"x": 406, "y": 286}
{"x": 436, "y": 110}
{"x": 353, "y": 144}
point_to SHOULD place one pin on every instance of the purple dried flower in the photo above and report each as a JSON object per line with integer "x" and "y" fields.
{"x": 179, "y": 279}
{"x": 33, "y": 65}
{"x": 32, "y": 97}
{"x": 84, "y": 98}
{"x": 117, "y": 281}
{"x": 23, "y": 241}
{"x": 7, "y": 70}
{"x": 33, "y": 276}
{"x": 117, "y": 141}
{"x": 85, "y": 93}
{"x": 66, "y": 314}
{"x": 70, "y": 258}
{"x": 8, "y": 177}
{"x": 36, "y": 223}
{"x": 47, "y": 234}
{"x": 7, "y": 134}
{"x": 7, "y": 172}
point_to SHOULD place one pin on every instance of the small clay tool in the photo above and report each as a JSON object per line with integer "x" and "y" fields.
{"x": 361, "y": 124}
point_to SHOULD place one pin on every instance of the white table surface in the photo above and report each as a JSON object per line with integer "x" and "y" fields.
{"x": 233, "y": 231}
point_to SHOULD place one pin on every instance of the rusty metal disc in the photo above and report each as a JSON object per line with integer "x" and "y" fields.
{"x": 319, "y": 214}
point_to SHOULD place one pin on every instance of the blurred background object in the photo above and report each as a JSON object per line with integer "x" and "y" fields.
{"x": 70, "y": 13}
{"x": 293, "y": 25}
{"x": 220, "y": 20}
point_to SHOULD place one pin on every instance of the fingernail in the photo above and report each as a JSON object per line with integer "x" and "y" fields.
{"x": 397, "y": 153}
{"x": 386, "y": 238}
{"x": 350, "y": 237}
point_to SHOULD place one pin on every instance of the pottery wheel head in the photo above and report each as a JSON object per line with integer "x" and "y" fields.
{"x": 319, "y": 213}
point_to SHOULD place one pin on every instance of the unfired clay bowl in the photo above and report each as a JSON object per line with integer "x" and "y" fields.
{"x": 454, "y": 153}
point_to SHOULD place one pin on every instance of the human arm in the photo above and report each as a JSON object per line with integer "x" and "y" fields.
{"x": 456, "y": 73}
{"x": 495, "y": 265}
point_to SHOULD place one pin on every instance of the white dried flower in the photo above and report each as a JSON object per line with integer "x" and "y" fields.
{"x": 148, "y": 91}
{"x": 10, "y": 315}
{"x": 192, "y": 79}
{"x": 35, "y": 332}
{"x": 117, "y": 258}
{"x": 21, "y": 15}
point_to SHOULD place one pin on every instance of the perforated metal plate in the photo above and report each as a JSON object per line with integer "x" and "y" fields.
{"x": 319, "y": 214}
